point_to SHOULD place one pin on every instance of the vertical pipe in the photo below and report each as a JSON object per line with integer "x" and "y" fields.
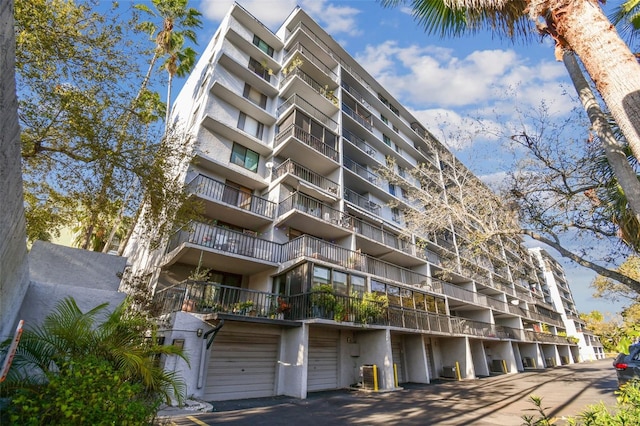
{"x": 458, "y": 371}
{"x": 375, "y": 377}
{"x": 203, "y": 359}
{"x": 395, "y": 375}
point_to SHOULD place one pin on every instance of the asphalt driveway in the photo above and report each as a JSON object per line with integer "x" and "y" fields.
{"x": 498, "y": 400}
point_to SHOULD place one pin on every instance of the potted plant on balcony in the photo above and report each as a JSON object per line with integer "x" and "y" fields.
{"x": 372, "y": 307}
{"x": 243, "y": 308}
{"x": 340, "y": 312}
{"x": 323, "y": 301}
{"x": 283, "y": 308}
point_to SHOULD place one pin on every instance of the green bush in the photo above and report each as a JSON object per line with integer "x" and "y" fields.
{"x": 626, "y": 411}
{"x": 87, "y": 392}
{"x": 77, "y": 370}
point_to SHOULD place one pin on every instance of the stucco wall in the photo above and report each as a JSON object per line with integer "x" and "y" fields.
{"x": 13, "y": 248}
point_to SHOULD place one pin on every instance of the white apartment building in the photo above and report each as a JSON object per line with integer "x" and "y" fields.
{"x": 289, "y": 134}
{"x": 556, "y": 290}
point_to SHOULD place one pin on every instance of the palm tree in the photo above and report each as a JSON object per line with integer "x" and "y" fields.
{"x": 576, "y": 25}
{"x": 180, "y": 60}
{"x": 68, "y": 336}
{"x": 170, "y": 40}
{"x": 617, "y": 160}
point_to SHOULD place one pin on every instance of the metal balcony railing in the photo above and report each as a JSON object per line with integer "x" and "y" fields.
{"x": 365, "y": 121}
{"x": 207, "y": 297}
{"x": 309, "y": 140}
{"x": 215, "y": 190}
{"x": 319, "y": 88}
{"x": 306, "y": 106}
{"x": 362, "y": 171}
{"x": 359, "y": 200}
{"x": 227, "y": 241}
{"x": 313, "y": 207}
{"x": 306, "y": 174}
{"x": 359, "y": 142}
{"x": 301, "y": 49}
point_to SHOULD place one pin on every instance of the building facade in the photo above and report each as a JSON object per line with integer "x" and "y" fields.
{"x": 556, "y": 290}
{"x": 301, "y": 276}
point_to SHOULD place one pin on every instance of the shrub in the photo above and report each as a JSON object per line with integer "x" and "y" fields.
{"x": 86, "y": 392}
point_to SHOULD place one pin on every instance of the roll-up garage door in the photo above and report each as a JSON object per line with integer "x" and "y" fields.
{"x": 322, "y": 373}
{"x": 242, "y": 365}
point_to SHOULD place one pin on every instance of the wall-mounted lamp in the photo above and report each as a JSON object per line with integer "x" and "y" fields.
{"x": 199, "y": 332}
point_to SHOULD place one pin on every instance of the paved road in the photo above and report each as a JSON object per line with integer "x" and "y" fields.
{"x": 500, "y": 400}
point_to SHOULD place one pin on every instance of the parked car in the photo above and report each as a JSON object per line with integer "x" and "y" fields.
{"x": 628, "y": 366}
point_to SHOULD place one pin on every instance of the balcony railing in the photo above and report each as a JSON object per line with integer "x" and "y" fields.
{"x": 309, "y": 140}
{"x": 306, "y": 174}
{"x": 309, "y": 109}
{"x": 204, "y": 185}
{"x": 318, "y": 249}
{"x": 206, "y": 297}
{"x": 319, "y": 88}
{"x": 299, "y": 48}
{"x": 545, "y": 337}
{"x": 359, "y": 142}
{"x": 226, "y": 240}
{"x": 305, "y": 204}
{"x": 364, "y": 121}
{"x": 361, "y": 201}
{"x": 362, "y": 171}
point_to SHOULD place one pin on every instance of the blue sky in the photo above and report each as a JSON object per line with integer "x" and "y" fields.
{"x": 446, "y": 83}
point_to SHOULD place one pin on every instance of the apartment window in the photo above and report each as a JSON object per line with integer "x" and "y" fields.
{"x": 383, "y": 99}
{"x": 395, "y": 129}
{"x": 358, "y": 284}
{"x": 255, "y": 96}
{"x": 384, "y": 119}
{"x": 262, "y": 45}
{"x": 244, "y": 157}
{"x": 386, "y": 140}
{"x": 392, "y": 189}
{"x": 259, "y": 69}
{"x": 401, "y": 172}
{"x": 321, "y": 276}
{"x": 394, "y": 110}
{"x": 395, "y": 214}
{"x": 250, "y": 125}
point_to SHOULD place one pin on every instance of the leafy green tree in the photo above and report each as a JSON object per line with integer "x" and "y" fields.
{"x": 90, "y": 138}
{"x": 72, "y": 347}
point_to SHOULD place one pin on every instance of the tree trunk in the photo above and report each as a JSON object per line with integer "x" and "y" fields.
{"x": 608, "y": 60}
{"x": 166, "y": 123}
{"x": 623, "y": 171}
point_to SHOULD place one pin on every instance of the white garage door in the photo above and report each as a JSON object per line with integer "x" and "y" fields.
{"x": 242, "y": 365}
{"x": 322, "y": 373}
{"x": 397, "y": 352}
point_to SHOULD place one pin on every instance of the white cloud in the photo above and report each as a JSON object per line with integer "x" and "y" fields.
{"x": 269, "y": 12}
{"x": 334, "y": 18}
{"x": 430, "y": 76}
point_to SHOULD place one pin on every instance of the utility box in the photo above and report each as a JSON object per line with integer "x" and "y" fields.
{"x": 449, "y": 372}
{"x": 370, "y": 377}
{"x": 498, "y": 366}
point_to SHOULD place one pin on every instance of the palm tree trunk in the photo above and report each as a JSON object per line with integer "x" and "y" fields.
{"x": 608, "y": 60}
{"x": 166, "y": 122}
{"x": 623, "y": 171}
